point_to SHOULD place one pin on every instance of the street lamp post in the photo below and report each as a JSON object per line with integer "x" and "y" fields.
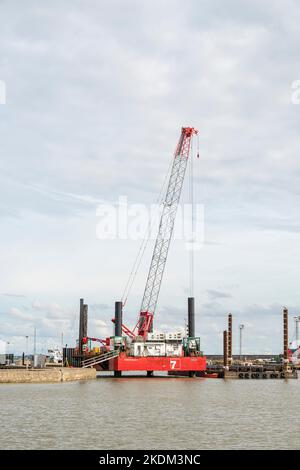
{"x": 7, "y": 353}
{"x": 26, "y": 352}
{"x": 241, "y": 334}
{"x": 34, "y": 341}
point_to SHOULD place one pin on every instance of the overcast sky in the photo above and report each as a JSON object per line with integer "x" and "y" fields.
{"x": 96, "y": 94}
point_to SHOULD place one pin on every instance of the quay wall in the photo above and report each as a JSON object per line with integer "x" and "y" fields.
{"x": 63, "y": 374}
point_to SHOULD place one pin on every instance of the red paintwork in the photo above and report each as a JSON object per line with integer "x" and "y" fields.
{"x": 131, "y": 363}
{"x": 144, "y": 323}
{"x": 126, "y": 330}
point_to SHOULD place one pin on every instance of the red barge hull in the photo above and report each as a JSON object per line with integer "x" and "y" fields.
{"x": 159, "y": 363}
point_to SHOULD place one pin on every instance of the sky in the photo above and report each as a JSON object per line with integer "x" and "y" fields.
{"x": 96, "y": 95}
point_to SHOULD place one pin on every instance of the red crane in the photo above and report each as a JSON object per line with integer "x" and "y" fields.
{"x": 166, "y": 226}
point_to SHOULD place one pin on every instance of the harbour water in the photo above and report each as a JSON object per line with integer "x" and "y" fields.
{"x": 156, "y": 413}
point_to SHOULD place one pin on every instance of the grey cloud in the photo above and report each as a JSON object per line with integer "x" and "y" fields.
{"x": 215, "y": 294}
{"x": 21, "y": 296}
{"x": 99, "y": 306}
{"x": 19, "y": 314}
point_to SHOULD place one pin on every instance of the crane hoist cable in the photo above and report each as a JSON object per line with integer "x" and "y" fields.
{"x": 192, "y": 223}
{"x": 193, "y": 196}
{"x": 145, "y": 241}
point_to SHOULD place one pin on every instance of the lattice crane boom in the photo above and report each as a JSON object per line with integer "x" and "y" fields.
{"x": 166, "y": 226}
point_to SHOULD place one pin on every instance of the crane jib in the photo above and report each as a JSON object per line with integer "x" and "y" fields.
{"x": 166, "y": 226}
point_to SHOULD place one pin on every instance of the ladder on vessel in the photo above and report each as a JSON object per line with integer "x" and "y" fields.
{"x": 92, "y": 361}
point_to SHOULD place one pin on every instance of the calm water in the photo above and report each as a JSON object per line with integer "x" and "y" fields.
{"x": 146, "y": 414}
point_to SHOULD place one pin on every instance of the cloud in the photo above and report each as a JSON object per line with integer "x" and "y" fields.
{"x": 99, "y": 306}
{"x": 100, "y": 329}
{"x": 3, "y": 347}
{"x": 215, "y": 294}
{"x": 52, "y": 310}
{"x": 17, "y": 313}
{"x": 15, "y": 295}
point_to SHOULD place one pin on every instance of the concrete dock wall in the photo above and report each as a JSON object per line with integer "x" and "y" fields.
{"x": 64, "y": 374}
